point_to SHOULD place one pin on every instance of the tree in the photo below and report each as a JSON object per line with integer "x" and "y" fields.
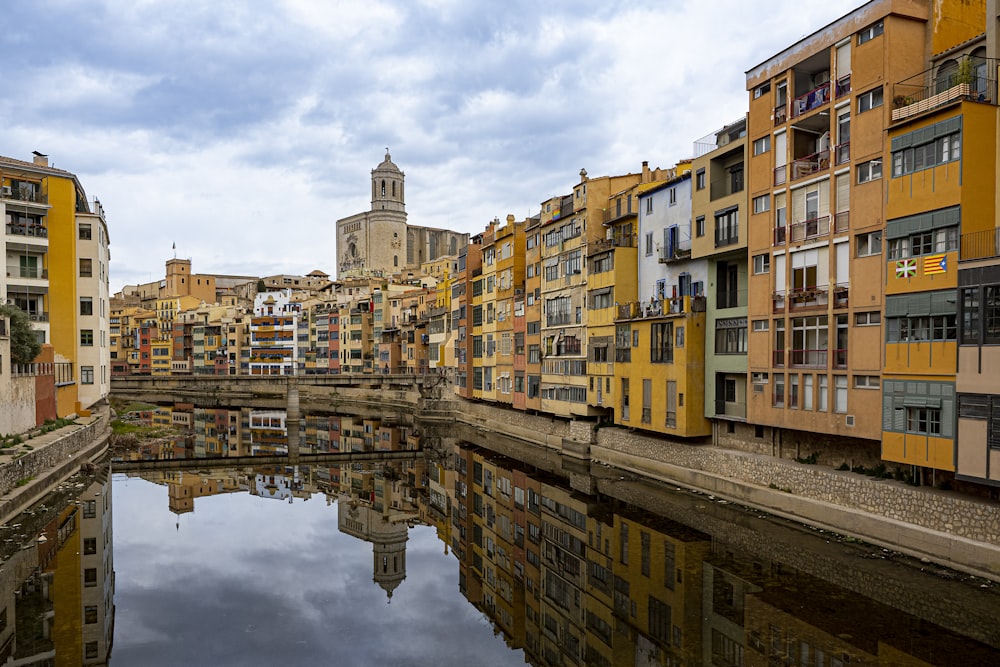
{"x": 24, "y": 346}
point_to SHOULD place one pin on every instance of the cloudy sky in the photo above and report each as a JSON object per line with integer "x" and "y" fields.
{"x": 242, "y": 130}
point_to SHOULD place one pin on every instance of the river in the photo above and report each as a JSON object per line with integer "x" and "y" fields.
{"x": 457, "y": 556}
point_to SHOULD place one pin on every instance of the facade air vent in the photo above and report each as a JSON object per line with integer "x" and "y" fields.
{"x": 849, "y": 420}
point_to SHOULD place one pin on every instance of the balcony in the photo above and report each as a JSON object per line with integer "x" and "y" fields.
{"x": 731, "y": 299}
{"x": 780, "y": 235}
{"x": 842, "y": 221}
{"x": 980, "y": 245}
{"x": 780, "y": 115}
{"x": 843, "y": 86}
{"x": 810, "y": 229}
{"x": 28, "y": 272}
{"x": 729, "y": 185}
{"x": 808, "y": 358}
{"x": 840, "y": 295}
{"x": 842, "y": 153}
{"x": 28, "y": 229}
{"x": 809, "y": 297}
{"x": 810, "y": 164}
{"x": 730, "y": 409}
{"x": 778, "y": 301}
{"x": 973, "y": 80}
{"x": 637, "y": 310}
{"x": 621, "y": 212}
{"x": 814, "y": 99}
{"x": 668, "y": 255}
{"x": 25, "y": 193}
{"x": 618, "y": 241}
{"x": 727, "y": 235}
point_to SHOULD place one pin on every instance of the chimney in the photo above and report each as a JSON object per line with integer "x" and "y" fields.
{"x": 40, "y": 159}
{"x": 645, "y": 172}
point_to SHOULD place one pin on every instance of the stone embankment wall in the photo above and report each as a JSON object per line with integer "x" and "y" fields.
{"x": 17, "y": 396}
{"x": 923, "y": 506}
{"x": 53, "y": 456}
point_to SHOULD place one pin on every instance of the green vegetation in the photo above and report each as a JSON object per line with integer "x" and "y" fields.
{"x": 24, "y": 480}
{"x": 24, "y": 346}
{"x": 7, "y": 441}
{"x": 119, "y": 427}
{"x": 55, "y": 424}
{"x": 811, "y": 459}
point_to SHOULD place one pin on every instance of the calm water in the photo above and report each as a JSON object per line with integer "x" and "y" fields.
{"x": 459, "y": 555}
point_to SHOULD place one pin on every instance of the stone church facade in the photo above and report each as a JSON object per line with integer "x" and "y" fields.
{"x": 380, "y": 242}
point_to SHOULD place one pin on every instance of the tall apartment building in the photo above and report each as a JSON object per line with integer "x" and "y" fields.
{"x": 818, "y": 113}
{"x": 533, "y": 312}
{"x": 56, "y": 246}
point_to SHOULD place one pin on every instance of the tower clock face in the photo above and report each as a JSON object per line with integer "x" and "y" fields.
{"x": 395, "y": 243}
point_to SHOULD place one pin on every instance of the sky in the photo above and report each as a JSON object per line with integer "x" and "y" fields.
{"x": 240, "y": 130}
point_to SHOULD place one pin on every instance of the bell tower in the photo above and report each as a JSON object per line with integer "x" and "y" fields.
{"x": 387, "y": 186}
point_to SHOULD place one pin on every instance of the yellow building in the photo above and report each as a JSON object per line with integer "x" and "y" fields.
{"x": 509, "y": 247}
{"x": 941, "y": 188}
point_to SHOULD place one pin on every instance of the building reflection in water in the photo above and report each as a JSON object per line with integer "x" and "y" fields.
{"x": 569, "y": 578}
{"x": 57, "y": 577}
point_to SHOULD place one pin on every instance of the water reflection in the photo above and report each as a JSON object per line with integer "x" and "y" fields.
{"x": 630, "y": 573}
{"x": 57, "y": 577}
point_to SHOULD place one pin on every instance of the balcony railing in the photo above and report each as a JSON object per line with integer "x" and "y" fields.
{"x": 727, "y": 235}
{"x": 810, "y": 164}
{"x": 814, "y": 99}
{"x": 841, "y": 292}
{"x": 667, "y": 255}
{"x": 736, "y": 298}
{"x": 634, "y": 310}
{"x": 780, "y": 174}
{"x": 27, "y": 272}
{"x": 808, "y": 358}
{"x": 780, "y": 114}
{"x": 913, "y": 96}
{"x": 843, "y": 85}
{"x": 842, "y": 221}
{"x": 730, "y": 409}
{"x": 807, "y": 297}
{"x": 778, "y": 301}
{"x": 842, "y": 152}
{"x": 780, "y": 235}
{"x": 18, "y": 229}
{"x": 980, "y": 245}
{"x": 27, "y": 194}
{"x": 810, "y": 229}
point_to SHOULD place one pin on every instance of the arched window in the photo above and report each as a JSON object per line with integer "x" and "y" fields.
{"x": 945, "y": 79}
{"x": 383, "y": 187}
{"x": 979, "y": 73}
{"x": 394, "y": 188}
{"x": 395, "y": 260}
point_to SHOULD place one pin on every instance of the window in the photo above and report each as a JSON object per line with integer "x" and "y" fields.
{"x": 760, "y": 325}
{"x": 762, "y": 90}
{"x": 920, "y": 328}
{"x": 86, "y": 268}
{"x": 762, "y": 204}
{"x": 870, "y": 171}
{"x": 90, "y": 577}
{"x": 699, "y": 226}
{"x": 731, "y": 336}
{"x": 89, "y": 546}
{"x": 840, "y": 393}
{"x": 662, "y": 342}
{"x": 699, "y": 179}
{"x": 85, "y": 233}
{"x": 868, "y": 244}
{"x": 924, "y": 243}
{"x": 649, "y": 204}
{"x": 940, "y": 143}
{"x": 673, "y": 196}
{"x": 736, "y": 178}
{"x": 758, "y": 378}
{"x": 727, "y": 228}
{"x": 870, "y": 33}
{"x": 926, "y": 421}
{"x": 866, "y": 382}
{"x": 778, "y": 399}
{"x": 869, "y": 318}
{"x": 90, "y": 614}
{"x": 87, "y": 337}
{"x": 90, "y": 650}
{"x": 86, "y": 305}
{"x": 869, "y": 100}
{"x": 762, "y": 145}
